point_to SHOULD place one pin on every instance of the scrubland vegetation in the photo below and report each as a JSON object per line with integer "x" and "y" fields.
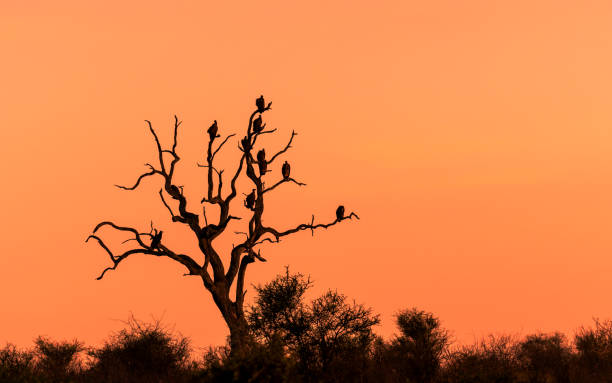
{"x": 329, "y": 339}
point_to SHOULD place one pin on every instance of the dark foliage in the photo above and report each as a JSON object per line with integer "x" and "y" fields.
{"x": 416, "y": 353}
{"x": 490, "y": 360}
{"x": 141, "y": 353}
{"x": 58, "y": 361}
{"x": 545, "y": 358}
{"x": 594, "y": 353}
{"x": 279, "y": 310}
{"x": 16, "y": 365}
{"x": 328, "y": 339}
{"x": 263, "y": 363}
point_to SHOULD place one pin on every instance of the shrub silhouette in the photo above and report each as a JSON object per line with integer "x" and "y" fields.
{"x": 415, "y": 355}
{"x": 594, "y": 353}
{"x": 141, "y": 353}
{"x": 279, "y": 311}
{"x": 16, "y": 366}
{"x": 338, "y": 339}
{"x": 58, "y": 361}
{"x": 490, "y": 360}
{"x": 329, "y": 339}
{"x": 545, "y": 358}
{"x": 263, "y": 363}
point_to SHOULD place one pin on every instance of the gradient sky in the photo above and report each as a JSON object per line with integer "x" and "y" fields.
{"x": 472, "y": 137}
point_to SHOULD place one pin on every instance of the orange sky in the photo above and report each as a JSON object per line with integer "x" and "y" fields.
{"x": 472, "y": 137}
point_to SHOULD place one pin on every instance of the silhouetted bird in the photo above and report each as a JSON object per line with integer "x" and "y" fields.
{"x": 261, "y": 155}
{"x": 250, "y": 200}
{"x": 212, "y": 131}
{"x": 156, "y": 240}
{"x": 174, "y": 189}
{"x": 261, "y": 104}
{"x": 261, "y": 161}
{"x": 246, "y": 144}
{"x": 340, "y": 212}
{"x": 286, "y": 170}
{"x": 263, "y": 168}
{"x": 257, "y": 126}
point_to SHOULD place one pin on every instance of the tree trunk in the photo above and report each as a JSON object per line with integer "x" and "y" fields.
{"x": 240, "y": 337}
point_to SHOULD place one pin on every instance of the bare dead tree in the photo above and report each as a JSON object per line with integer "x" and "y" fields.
{"x": 217, "y": 278}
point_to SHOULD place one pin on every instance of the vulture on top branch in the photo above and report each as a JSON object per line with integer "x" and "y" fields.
{"x": 212, "y": 131}
{"x": 261, "y": 104}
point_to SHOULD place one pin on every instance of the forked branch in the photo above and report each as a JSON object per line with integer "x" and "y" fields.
{"x": 156, "y": 249}
{"x": 293, "y": 134}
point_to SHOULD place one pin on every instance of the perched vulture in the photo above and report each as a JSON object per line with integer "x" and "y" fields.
{"x": 340, "y": 213}
{"x": 175, "y": 189}
{"x": 246, "y": 144}
{"x": 257, "y": 126}
{"x": 250, "y": 200}
{"x": 156, "y": 239}
{"x": 212, "y": 131}
{"x": 263, "y": 167}
{"x": 261, "y": 161}
{"x": 261, "y": 155}
{"x": 286, "y": 170}
{"x": 261, "y": 104}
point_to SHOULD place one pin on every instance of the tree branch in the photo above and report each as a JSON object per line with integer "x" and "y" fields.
{"x": 120, "y": 228}
{"x": 176, "y": 158}
{"x": 177, "y": 123}
{"x": 152, "y": 172}
{"x": 222, "y": 143}
{"x": 175, "y": 218}
{"x": 293, "y": 134}
{"x": 159, "y": 149}
{"x": 283, "y": 181}
{"x": 161, "y": 250}
{"x": 305, "y": 226}
{"x": 240, "y": 293}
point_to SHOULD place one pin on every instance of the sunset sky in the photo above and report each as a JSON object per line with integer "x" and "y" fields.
{"x": 472, "y": 138}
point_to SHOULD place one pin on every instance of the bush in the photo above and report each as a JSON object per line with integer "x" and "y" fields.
{"x": 415, "y": 355}
{"x": 58, "y": 361}
{"x": 545, "y": 358}
{"x": 491, "y": 360}
{"x": 263, "y": 363}
{"x": 141, "y": 353}
{"x": 16, "y": 366}
{"x": 328, "y": 339}
{"x": 594, "y": 353}
{"x": 279, "y": 311}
